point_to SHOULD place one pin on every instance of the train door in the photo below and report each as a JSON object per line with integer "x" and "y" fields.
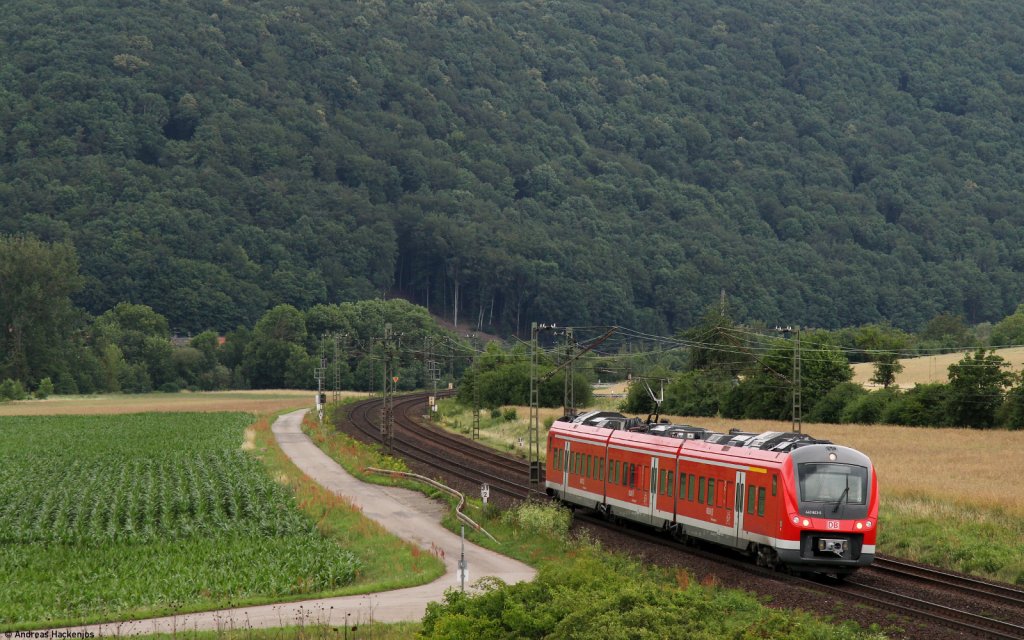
{"x": 741, "y": 491}
{"x": 653, "y": 490}
{"x": 566, "y": 457}
{"x": 728, "y": 487}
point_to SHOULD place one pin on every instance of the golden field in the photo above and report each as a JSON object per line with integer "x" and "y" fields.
{"x": 931, "y": 368}
{"x": 262, "y": 401}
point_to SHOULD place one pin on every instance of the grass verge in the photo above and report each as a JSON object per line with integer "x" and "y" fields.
{"x": 985, "y": 542}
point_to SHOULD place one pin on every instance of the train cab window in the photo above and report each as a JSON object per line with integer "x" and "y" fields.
{"x": 711, "y": 491}
{"x": 700, "y": 490}
{"x": 689, "y": 489}
{"x": 775, "y": 484}
{"x": 760, "y": 501}
{"x": 750, "y": 498}
{"x": 670, "y": 482}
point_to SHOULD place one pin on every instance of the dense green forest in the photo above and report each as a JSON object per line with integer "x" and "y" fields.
{"x": 826, "y": 164}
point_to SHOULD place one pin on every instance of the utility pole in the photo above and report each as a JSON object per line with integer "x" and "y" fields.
{"x": 476, "y": 409}
{"x": 569, "y": 401}
{"x": 797, "y": 410}
{"x": 534, "y": 405}
{"x": 433, "y": 368}
{"x": 387, "y": 424}
{"x": 318, "y": 375}
{"x": 336, "y": 397}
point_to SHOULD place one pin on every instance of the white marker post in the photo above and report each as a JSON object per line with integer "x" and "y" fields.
{"x": 485, "y": 492}
{"x": 463, "y": 568}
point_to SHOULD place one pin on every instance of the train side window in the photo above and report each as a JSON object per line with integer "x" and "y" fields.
{"x": 590, "y": 466}
{"x": 750, "y": 498}
{"x": 632, "y": 475}
{"x": 689, "y": 490}
{"x": 775, "y": 484}
{"x": 760, "y": 501}
{"x": 670, "y": 482}
{"x": 700, "y": 490}
{"x": 600, "y": 470}
{"x": 739, "y": 498}
{"x": 711, "y": 491}
{"x": 554, "y": 454}
{"x": 625, "y": 474}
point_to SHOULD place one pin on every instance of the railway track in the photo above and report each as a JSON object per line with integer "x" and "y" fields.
{"x": 926, "y": 575}
{"x": 963, "y": 606}
{"x": 432, "y": 450}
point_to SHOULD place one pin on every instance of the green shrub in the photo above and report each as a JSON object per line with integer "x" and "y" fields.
{"x": 45, "y": 389}
{"x": 12, "y": 390}
{"x": 922, "y": 406}
{"x": 510, "y": 414}
{"x": 867, "y": 409}
{"x": 548, "y": 518}
{"x": 830, "y": 408}
{"x": 495, "y": 414}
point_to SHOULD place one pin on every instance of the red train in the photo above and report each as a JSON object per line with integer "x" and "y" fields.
{"x": 785, "y": 499}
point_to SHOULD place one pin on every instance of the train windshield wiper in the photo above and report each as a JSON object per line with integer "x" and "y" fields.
{"x": 846, "y": 492}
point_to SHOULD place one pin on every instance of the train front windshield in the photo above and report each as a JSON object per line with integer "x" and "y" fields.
{"x": 832, "y": 482}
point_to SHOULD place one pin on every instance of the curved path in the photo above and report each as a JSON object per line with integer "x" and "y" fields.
{"x": 408, "y": 514}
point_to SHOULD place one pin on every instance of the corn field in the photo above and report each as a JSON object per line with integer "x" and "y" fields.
{"x": 101, "y": 515}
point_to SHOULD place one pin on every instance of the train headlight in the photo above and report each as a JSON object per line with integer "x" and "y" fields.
{"x": 868, "y": 523}
{"x": 832, "y": 457}
{"x": 860, "y": 525}
{"x": 806, "y": 522}
{"x": 796, "y": 519}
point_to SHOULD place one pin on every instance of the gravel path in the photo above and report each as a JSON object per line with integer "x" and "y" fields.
{"x": 408, "y": 514}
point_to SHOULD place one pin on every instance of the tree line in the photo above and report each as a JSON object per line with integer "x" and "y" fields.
{"x": 735, "y": 372}
{"x": 48, "y": 345}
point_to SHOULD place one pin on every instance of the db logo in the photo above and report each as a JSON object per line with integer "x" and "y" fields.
{"x": 832, "y": 524}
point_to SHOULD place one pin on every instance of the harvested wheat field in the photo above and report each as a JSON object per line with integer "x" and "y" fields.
{"x": 263, "y": 401}
{"x": 931, "y": 368}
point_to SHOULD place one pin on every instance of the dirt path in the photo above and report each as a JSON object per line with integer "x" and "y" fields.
{"x": 408, "y": 514}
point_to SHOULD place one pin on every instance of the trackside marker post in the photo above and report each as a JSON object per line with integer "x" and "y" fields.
{"x": 463, "y": 567}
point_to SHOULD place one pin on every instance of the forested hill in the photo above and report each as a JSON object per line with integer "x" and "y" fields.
{"x": 825, "y": 163}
